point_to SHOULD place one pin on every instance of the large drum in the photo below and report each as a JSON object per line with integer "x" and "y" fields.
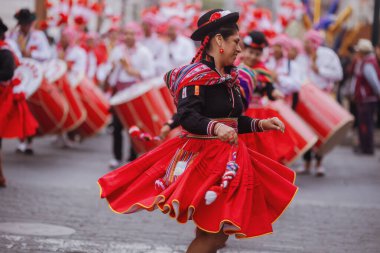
{"x": 138, "y": 106}
{"x": 284, "y": 147}
{"x": 159, "y": 84}
{"x": 44, "y": 100}
{"x": 96, "y": 105}
{"x": 55, "y": 73}
{"x": 327, "y": 118}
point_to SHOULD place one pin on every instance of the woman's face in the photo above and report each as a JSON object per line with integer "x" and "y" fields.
{"x": 251, "y": 56}
{"x": 231, "y": 46}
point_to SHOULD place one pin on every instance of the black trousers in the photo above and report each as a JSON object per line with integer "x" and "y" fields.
{"x": 308, "y": 156}
{"x": 117, "y": 139}
{"x": 365, "y": 114}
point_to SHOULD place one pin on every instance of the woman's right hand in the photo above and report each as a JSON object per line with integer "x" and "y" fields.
{"x": 226, "y": 133}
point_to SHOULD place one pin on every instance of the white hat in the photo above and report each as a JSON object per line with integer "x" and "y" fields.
{"x": 364, "y": 45}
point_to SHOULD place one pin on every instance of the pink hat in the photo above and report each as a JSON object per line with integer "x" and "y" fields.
{"x": 150, "y": 19}
{"x": 297, "y": 44}
{"x": 176, "y": 22}
{"x": 315, "y": 37}
{"x": 134, "y": 26}
{"x": 282, "y": 40}
{"x": 71, "y": 33}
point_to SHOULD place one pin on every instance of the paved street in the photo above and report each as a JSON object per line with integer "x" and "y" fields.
{"x": 338, "y": 213}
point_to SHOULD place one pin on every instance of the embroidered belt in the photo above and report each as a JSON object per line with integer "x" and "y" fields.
{"x": 231, "y": 122}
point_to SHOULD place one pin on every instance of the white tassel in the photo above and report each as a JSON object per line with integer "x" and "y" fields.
{"x": 210, "y": 197}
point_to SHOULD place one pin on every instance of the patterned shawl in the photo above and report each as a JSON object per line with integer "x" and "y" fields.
{"x": 263, "y": 74}
{"x": 248, "y": 82}
{"x": 197, "y": 74}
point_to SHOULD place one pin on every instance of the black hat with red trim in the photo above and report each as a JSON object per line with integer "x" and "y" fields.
{"x": 256, "y": 40}
{"x": 212, "y": 20}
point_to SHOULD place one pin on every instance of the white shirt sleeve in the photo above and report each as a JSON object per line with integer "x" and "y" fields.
{"x": 183, "y": 52}
{"x": 41, "y": 48}
{"x": 329, "y": 66}
{"x": 145, "y": 64}
{"x": 162, "y": 61}
{"x": 289, "y": 83}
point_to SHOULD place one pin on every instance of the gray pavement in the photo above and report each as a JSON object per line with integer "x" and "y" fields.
{"x": 338, "y": 213}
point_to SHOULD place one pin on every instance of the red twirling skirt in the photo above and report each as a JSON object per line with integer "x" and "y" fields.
{"x": 16, "y": 120}
{"x": 274, "y": 144}
{"x": 257, "y": 196}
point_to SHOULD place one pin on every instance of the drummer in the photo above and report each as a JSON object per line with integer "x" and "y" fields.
{"x": 285, "y": 72}
{"x": 16, "y": 121}
{"x": 76, "y": 59}
{"x": 31, "y": 44}
{"x": 181, "y": 48}
{"x": 157, "y": 47}
{"x": 132, "y": 62}
{"x": 323, "y": 68}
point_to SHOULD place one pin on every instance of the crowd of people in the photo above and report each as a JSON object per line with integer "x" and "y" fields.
{"x": 125, "y": 56}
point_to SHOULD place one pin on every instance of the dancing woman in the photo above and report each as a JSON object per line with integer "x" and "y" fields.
{"x": 208, "y": 175}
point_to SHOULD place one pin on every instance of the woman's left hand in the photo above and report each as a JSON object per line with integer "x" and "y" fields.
{"x": 273, "y": 124}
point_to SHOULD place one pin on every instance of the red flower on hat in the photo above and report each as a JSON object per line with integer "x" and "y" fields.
{"x": 215, "y": 16}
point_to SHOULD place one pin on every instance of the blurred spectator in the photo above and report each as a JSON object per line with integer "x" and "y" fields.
{"x": 156, "y": 46}
{"x": 367, "y": 94}
{"x": 181, "y": 48}
{"x": 377, "y": 52}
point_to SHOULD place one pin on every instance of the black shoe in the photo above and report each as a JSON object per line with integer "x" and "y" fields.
{"x": 29, "y": 151}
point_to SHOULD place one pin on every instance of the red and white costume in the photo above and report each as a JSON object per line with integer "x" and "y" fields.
{"x": 16, "y": 121}
{"x": 35, "y": 42}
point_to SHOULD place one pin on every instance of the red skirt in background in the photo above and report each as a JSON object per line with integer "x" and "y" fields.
{"x": 16, "y": 120}
{"x": 272, "y": 144}
{"x": 257, "y": 196}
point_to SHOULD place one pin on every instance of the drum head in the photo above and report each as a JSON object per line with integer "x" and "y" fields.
{"x": 130, "y": 93}
{"x": 30, "y": 73}
{"x": 54, "y": 70}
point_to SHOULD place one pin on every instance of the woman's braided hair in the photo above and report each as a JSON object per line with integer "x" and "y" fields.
{"x": 226, "y": 31}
